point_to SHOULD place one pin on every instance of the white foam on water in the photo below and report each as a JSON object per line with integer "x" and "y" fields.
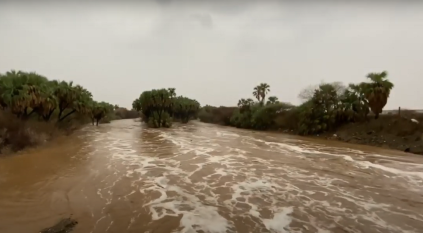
{"x": 265, "y": 190}
{"x": 367, "y": 164}
{"x": 225, "y": 133}
{"x": 256, "y": 183}
{"x": 363, "y": 164}
{"x": 292, "y": 148}
{"x": 195, "y": 215}
{"x": 302, "y": 149}
{"x": 280, "y": 221}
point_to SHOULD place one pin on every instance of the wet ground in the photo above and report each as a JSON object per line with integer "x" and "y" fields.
{"x": 122, "y": 177}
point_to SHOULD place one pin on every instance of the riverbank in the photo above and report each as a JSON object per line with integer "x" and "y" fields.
{"x": 17, "y": 134}
{"x": 393, "y": 132}
{"x": 388, "y": 131}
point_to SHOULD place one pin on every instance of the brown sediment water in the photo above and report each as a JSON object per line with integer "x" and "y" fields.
{"x": 123, "y": 177}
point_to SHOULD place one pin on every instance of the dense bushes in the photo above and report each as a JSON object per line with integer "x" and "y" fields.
{"x": 123, "y": 113}
{"x": 26, "y": 94}
{"x": 216, "y": 115}
{"x": 16, "y": 134}
{"x": 258, "y": 116}
{"x": 326, "y": 107}
{"x": 159, "y": 107}
{"x": 31, "y": 103}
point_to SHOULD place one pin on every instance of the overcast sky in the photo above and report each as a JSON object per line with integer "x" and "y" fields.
{"x": 216, "y": 52}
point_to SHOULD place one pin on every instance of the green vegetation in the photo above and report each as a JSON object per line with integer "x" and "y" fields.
{"x": 184, "y": 109}
{"x": 24, "y": 94}
{"x": 261, "y": 91}
{"x": 27, "y": 98}
{"x": 377, "y": 91}
{"x": 100, "y": 111}
{"x": 326, "y": 107}
{"x": 123, "y": 113}
{"x": 159, "y": 107}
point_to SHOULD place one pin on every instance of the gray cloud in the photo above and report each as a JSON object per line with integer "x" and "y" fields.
{"x": 119, "y": 50}
{"x": 204, "y": 19}
{"x": 164, "y": 1}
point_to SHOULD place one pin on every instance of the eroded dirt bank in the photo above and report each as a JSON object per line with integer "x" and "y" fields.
{"x": 388, "y": 132}
{"x": 121, "y": 177}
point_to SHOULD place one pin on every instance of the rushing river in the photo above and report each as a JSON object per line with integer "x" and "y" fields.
{"x": 122, "y": 177}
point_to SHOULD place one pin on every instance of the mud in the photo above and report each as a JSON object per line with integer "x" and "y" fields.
{"x": 392, "y": 132}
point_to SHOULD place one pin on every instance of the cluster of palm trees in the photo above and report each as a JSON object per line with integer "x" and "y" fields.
{"x": 259, "y": 92}
{"x": 260, "y": 114}
{"x": 327, "y": 106}
{"x": 327, "y": 109}
{"x": 28, "y": 94}
{"x": 184, "y": 109}
{"x": 100, "y": 111}
{"x": 159, "y": 107}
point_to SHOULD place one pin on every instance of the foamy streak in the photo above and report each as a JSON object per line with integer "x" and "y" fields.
{"x": 364, "y": 164}
{"x": 280, "y": 221}
{"x": 256, "y": 184}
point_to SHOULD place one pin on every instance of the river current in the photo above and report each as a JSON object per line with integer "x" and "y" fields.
{"x": 124, "y": 177}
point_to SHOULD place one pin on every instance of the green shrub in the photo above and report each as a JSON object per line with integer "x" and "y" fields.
{"x": 158, "y": 107}
{"x": 263, "y": 117}
{"x": 216, "y": 115}
{"x": 160, "y": 119}
{"x": 241, "y": 120}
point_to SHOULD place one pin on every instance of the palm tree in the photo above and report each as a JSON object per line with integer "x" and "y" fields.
{"x": 48, "y": 102}
{"x": 185, "y": 108}
{"x": 65, "y": 96}
{"x": 241, "y": 102}
{"x": 25, "y": 93}
{"x": 355, "y": 102}
{"x": 172, "y": 92}
{"x": 272, "y": 100}
{"x": 21, "y": 92}
{"x": 249, "y": 102}
{"x": 261, "y": 91}
{"x": 265, "y": 88}
{"x": 256, "y": 93}
{"x": 136, "y": 105}
{"x": 99, "y": 111}
{"x": 157, "y": 104}
{"x": 72, "y": 98}
{"x": 245, "y": 104}
{"x": 377, "y": 91}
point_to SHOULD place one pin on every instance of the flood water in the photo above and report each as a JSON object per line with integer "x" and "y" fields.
{"x": 122, "y": 177}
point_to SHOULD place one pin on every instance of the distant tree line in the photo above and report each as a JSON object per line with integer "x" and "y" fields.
{"x": 326, "y": 106}
{"x": 123, "y": 113}
{"x": 31, "y": 97}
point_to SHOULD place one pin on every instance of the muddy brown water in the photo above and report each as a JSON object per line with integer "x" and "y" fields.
{"x": 122, "y": 177}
